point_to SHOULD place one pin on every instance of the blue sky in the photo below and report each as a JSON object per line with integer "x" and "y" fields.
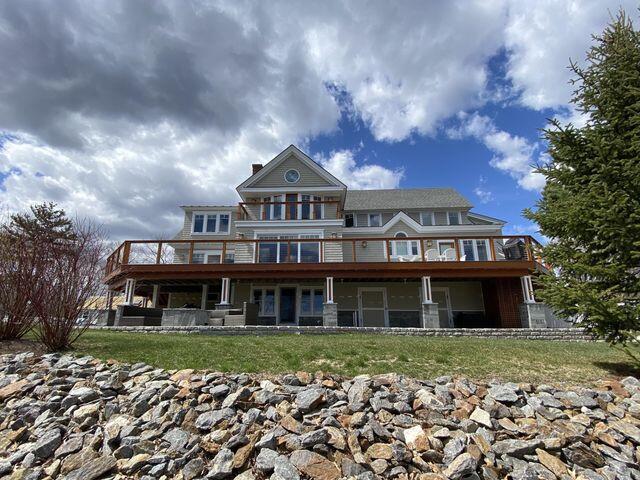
{"x": 122, "y": 111}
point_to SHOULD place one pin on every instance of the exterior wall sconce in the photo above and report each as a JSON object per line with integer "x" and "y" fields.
{"x": 363, "y": 244}
{"x": 429, "y": 243}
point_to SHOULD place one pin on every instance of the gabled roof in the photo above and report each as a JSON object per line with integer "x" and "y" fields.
{"x": 281, "y": 157}
{"x": 408, "y": 198}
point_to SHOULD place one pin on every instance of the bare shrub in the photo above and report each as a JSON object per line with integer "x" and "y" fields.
{"x": 17, "y": 271}
{"x": 69, "y": 275}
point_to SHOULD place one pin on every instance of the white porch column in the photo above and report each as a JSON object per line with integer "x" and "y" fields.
{"x": 154, "y": 296}
{"x": 226, "y": 290}
{"x": 329, "y": 289}
{"x": 426, "y": 290}
{"x": 205, "y": 293}
{"x": 129, "y": 291}
{"x": 527, "y": 289}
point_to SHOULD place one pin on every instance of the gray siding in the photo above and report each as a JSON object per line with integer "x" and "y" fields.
{"x": 275, "y": 178}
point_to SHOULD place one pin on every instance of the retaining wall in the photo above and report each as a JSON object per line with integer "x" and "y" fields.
{"x": 566, "y": 334}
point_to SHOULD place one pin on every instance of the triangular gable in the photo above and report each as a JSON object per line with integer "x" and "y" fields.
{"x": 402, "y": 218}
{"x": 272, "y": 174}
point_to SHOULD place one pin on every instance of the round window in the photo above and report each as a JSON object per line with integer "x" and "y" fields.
{"x": 292, "y": 176}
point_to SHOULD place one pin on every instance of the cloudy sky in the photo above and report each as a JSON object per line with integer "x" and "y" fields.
{"x": 123, "y": 110}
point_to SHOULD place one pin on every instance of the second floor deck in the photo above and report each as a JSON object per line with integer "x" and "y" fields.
{"x": 299, "y": 253}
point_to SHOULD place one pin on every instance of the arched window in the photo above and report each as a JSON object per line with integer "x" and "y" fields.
{"x": 404, "y": 248}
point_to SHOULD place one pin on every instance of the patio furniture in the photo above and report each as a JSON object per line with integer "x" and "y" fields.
{"x": 432, "y": 255}
{"x": 449, "y": 255}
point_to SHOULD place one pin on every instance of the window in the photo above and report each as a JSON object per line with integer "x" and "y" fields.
{"x": 292, "y": 206}
{"x": 276, "y": 208}
{"x": 265, "y": 298}
{"x": 212, "y": 256}
{"x": 211, "y": 223}
{"x": 348, "y": 220}
{"x": 454, "y": 218}
{"x": 375, "y": 220}
{"x": 426, "y": 218}
{"x": 292, "y": 175}
{"x": 404, "y": 248}
{"x": 284, "y": 249}
{"x": 317, "y": 208}
{"x": 475, "y": 250}
{"x": 311, "y": 301}
{"x": 306, "y": 207}
{"x": 445, "y": 245}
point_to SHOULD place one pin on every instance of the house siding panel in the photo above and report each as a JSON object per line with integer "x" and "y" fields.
{"x": 275, "y": 178}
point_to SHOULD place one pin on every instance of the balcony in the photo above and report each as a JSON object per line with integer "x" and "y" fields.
{"x": 306, "y": 209}
{"x": 362, "y": 257}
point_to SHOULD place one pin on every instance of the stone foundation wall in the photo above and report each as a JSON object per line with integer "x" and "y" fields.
{"x": 566, "y": 334}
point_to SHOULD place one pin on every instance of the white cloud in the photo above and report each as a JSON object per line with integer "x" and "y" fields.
{"x": 512, "y": 154}
{"x": 482, "y": 192}
{"x": 123, "y": 110}
{"x": 542, "y": 36}
{"x": 342, "y": 164}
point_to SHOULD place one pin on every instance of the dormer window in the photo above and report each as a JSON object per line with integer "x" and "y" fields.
{"x": 454, "y": 218}
{"x": 375, "y": 220}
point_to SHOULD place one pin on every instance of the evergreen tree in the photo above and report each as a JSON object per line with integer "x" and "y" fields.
{"x": 590, "y": 206}
{"x": 44, "y": 223}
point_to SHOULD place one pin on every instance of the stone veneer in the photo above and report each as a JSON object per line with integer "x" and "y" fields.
{"x": 569, "y": 334}
{"x": 330, "y": 315}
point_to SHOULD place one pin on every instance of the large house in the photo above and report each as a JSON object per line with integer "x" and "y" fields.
{"x": 301, "y": 248}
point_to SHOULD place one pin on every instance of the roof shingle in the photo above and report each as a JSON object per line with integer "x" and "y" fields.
{"x": 405, "y": 198}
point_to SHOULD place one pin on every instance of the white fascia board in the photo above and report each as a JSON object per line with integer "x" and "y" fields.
{"x": 262, "y": 224}
{"x": 487, "y": 218}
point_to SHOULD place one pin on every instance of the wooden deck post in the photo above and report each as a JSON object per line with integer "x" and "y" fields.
{"x": 492, "y": 248}
{"x": 125, "y": 253}
{"x": 159, "y": 252}
{"x": 191, "y": 246}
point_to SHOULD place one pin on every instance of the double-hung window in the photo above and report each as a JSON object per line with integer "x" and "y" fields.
{"x": 426, "y": 218}
{"x": 375, "y": 220}
{"x": 311, "y": 301}
{"x": 475, "y": 250}
{"x": 265, "y": 298}
{"x": 454, "y": 218}
{"x": 349, "y": 220}
{"x": 211, "y": 223}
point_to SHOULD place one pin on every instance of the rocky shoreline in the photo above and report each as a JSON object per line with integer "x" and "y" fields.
{"x": 79, "y": 418}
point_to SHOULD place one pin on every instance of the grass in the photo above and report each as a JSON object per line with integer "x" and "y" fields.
{"x": 352, "y": 354}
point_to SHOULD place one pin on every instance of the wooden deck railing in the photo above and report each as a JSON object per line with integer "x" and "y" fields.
{"x": 325, "y": 250}
{"x": 290, "y": 210}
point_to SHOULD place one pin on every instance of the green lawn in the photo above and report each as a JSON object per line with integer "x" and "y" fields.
{"x": 353, "y": 354}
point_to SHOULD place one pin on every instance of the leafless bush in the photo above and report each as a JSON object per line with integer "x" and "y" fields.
{"x": 69, "y": 274}
{"x": 17, "y": 269}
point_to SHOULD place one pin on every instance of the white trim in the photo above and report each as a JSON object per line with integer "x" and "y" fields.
{"x": 384, "y": 308}
{"x": 435, "y": 229}
{"x": 292, "y": 170}
{"x": 527, "y": 289}
{"x": 329, "y": 290}
{"x": 474, "y": 246}
{"x": 154, "y": 296}
{"x": 288, "y": 232}
{"x": 129, "y": 291}
{"x": 281, "y": 157}
{"x": 427, "y": 293}
{"x": 496, "y": 221}
{"x": 288, "y": 189}
{"x": 204, "y": 223}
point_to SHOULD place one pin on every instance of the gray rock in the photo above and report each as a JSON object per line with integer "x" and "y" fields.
{"x": 177, "y": 438}
{"x": 503, "y": 393}
{"x": 47, "y": 444}
{"x": 94, "y": 469}
{"x": 461, "y": 466}
{"x": 283, "y": 469}
{"x": 516, "y": 448}
{"x": 314, "y": 438}
{"x": 210, "y": 419}
{"x": 309, "y": 398}
{"x": 222, "y": 464}
{"x": 219, "y": 391}
{"x": 265, "y": 461}
{"x": 5, "y": 467}
{"x": 192, "y": 469}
